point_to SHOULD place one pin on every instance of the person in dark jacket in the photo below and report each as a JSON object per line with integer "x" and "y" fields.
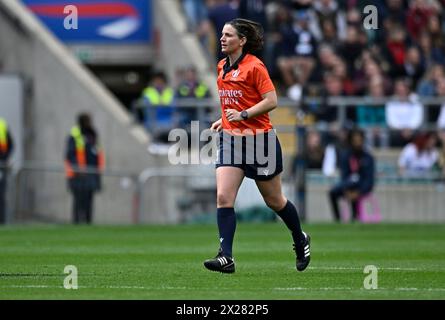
{"x": 357, "y": 169}
{"x": 6, "y": 148}
{"x": 84, "y": 162}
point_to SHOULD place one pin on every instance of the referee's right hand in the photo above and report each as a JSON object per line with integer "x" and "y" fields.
{"x": 216, "y": 126}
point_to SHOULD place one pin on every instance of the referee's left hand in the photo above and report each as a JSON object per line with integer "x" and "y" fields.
{"x": 233, "y": 115}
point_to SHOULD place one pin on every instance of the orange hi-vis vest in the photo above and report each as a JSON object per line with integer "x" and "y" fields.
{"x": 3, "y": 135}
{"x": 81, "y": 158}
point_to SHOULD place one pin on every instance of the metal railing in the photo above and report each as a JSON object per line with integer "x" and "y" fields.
{"x": 39, "y": 192}
{"x": 38, "y": 185}
{"x": 147, "y": 175}
{"x": 210, "y": 106}
{"x": 400, "y": 199}
{"x": 177, "y": 194}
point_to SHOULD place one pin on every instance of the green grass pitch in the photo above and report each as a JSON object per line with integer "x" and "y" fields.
{"x": 165, "y": 262}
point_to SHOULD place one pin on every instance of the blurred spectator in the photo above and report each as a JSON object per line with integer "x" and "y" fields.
{"x": 436, "y": 33}
{"x": 298, "y": 51}
{"x": 279, "y": 16}
{"x": 339, "y": 70}
{"x": 191, "y": 87}
{"x": 219, "y": 12}
{"x": 314, "y": 152}
{"x": 368, "y": 71}
{"x": 354, "y": 17}
{"x": 395, "y": 11}
{"x": 336, "y": 144}
{"x": 430, "y": 53}
{"x": 420, "y": 11}
{"x": 329, "y": 33}
{"x": 339, "y": 24}
{"x": 323, "y": 113}
{"x": 372, "y": 117}
{"x": 441, "y": 160}
{"x": 427, "y": 86}
{"x": 395, "y": 50}
{"x": 196, "y": 12}
{"x": 6, "y": 148}
{"x": 413, "y": 66}
{"x": 84, "y": 162}
{"x": 326, "y": 61}
{"x": 357, "y": 170}
{"x": 404, "y": 114}
{"x": 418, "y": 158}
{"x": 309, "y": 38}
{"x": 299, "y": 4}
{"x": 333, "y": 86}
{"x": 254, "y": 10}
{"x": 351, "y": 49}
{"x": 328, "y": 10}
{"x": 441, "y": 93}
{"x": 160, "y": 111}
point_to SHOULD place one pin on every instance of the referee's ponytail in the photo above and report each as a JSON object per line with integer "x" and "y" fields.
{"x": 252, "y": 31}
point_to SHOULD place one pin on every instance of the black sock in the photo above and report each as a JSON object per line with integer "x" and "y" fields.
{"x": 290, "y": 217}
{"x": 226, "y": 225}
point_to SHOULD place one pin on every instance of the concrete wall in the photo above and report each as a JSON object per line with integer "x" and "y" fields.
{"x": 58, "y": 88}
{"x": 397, "y": 203}
{"x": 11, "y": 109}
{"x": 180, "y": 48}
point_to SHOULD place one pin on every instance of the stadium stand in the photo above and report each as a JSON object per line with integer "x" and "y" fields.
{"x": 350, "y": 76}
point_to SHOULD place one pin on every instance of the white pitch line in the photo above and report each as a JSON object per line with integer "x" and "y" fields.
{"x": 359, "y": 268}
{"x": 87, "y": 287}
{"x": 31, "y": 286}
{"x": 303, "y": 289}
{"x": 137, "y": 287}
{"x": 184, "y": 288}
{"x": 348, "y": 288}
{"x": 420, "y": 289}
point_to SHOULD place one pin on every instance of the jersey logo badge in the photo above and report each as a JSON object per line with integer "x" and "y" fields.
{"x": 236, "y": 73}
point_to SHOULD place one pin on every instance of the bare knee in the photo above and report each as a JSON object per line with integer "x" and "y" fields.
{"x": 275, "y": 202}
{"x": 225, "y": 200}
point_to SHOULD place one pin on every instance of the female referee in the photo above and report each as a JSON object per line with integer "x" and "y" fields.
{"x": 247, "y": 94}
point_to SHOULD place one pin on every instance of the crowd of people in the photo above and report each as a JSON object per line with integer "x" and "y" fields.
{"x": 306, "y": 41}
{"x": 157, "y": 108}
{"x": 320, "y": 48}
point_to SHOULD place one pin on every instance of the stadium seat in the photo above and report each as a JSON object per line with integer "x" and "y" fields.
{"x": 368, "y": 209}
{"x": 285, "y": 117}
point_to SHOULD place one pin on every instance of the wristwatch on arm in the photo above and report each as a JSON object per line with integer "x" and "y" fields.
{"x": 244, "y": 115}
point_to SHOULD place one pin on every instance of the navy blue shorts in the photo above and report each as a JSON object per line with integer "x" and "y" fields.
{"x": 259, "y": 156}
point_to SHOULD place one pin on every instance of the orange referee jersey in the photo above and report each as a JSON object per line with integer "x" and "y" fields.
{"x": 241, "y": 89}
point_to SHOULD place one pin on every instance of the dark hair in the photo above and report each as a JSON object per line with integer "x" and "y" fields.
{"x": 252, "y": 31}
{"x": 86, "y": 125}
{"x": 421, "y": 140}
{"x": 84, "y": 120}
{"x": 353, "y": 132}
{"x": 405, "y": 81}
{"x": 160, "y": 75}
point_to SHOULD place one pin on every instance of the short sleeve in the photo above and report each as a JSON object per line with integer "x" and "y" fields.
{"x": 441, "y": 119}
{"x": 407, "y": 153}
{"x": 261, "y": 78}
